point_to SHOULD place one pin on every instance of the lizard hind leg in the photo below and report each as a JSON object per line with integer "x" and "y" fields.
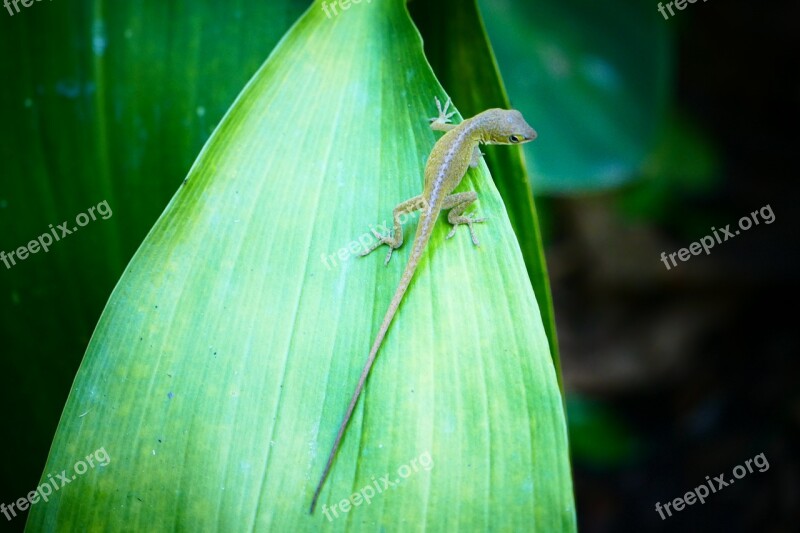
{"x": 395, "y": 238}
{"x": 458, "y": 203}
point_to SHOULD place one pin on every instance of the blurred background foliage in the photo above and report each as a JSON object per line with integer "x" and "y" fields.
{"x": 671, "y": 376}
{"x": 595, "y": 75}
{"x": 651, "y": 131}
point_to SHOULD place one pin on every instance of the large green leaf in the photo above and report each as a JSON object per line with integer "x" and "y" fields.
{"x": 224, "y": 359}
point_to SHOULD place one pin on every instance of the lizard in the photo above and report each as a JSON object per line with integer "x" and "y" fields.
{"x": 451, "y": 156}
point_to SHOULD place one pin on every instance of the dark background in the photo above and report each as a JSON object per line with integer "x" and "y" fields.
{"x": 676, "y": 375}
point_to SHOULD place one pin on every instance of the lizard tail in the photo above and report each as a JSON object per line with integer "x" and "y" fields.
{"x": 420, "y": 241}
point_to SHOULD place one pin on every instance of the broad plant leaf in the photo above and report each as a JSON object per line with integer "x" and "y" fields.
{"x": 223, "y": 361}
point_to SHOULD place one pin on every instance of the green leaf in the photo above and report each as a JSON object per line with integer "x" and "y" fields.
{"x": 223, "y": 361}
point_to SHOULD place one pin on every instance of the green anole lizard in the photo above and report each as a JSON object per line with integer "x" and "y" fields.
{"x": 448, "y": 163}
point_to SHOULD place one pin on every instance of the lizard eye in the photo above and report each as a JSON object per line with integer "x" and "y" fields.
{"x": 514, "y": 139}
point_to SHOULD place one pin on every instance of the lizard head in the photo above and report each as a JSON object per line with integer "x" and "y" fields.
{"x": 505, "y": 126}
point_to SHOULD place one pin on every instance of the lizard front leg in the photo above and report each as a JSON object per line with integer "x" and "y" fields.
{"x": 396, "y": 241}
{"x": 442, "y": 122}
{"x": 457, "y": 204}
{"x": 476, "y": 157}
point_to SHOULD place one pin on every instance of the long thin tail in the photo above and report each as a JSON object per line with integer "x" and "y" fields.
{"x": 420, "y": 241}
{"x": 350, "y": 408}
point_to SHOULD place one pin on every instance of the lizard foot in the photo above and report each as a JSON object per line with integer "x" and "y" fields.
{"x": 388, "y": 241}
{"x": 469, "y": 222}
{"x": 444, "y": 116}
